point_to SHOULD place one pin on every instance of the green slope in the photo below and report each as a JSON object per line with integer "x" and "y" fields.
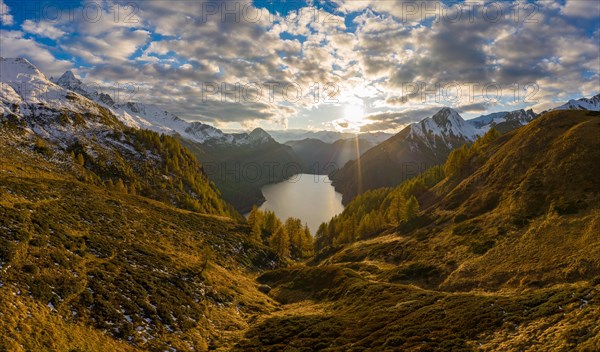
{"x": 503, "y": 255}
{"x": 99, "y": 267}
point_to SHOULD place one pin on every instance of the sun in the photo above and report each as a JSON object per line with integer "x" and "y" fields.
{"x": 354, "y": 116}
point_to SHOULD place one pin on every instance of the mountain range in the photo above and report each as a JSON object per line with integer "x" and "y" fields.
{"x": 113, "y": 238}
{"x": 238, "y": 163}
{"x": 591, "y": 104}
{"x": 231, "y": 159}
{"x": 329, "y": 137}
{"x": 503, "y": 256}
{"x": 323, "y": 158}
{"x": 424, "y": 144}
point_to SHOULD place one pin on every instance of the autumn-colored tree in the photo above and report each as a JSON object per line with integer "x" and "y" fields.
{"x": 79, "y": 159}
{"x": 294, "y": 230}
{"x": 280, "y": 243}
{"x": 411, "y": 209}
{"x": 307, "y": 243}
{"x": 322, "y": 238}
{"x": 253, "y": 216}
{"x": 457, "y": 161}
{"x": 120, "y": 186}
{"x": 270, "y": 223}
{"x": 255, "y": 221}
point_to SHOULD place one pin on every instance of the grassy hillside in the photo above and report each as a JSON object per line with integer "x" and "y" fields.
{"x": 498, "y": 249}
{"x": 100, "y": 267}
{"x": 114, "y": 156}
{"x": 502, "y": 253}
{"x": 338, "y": 308}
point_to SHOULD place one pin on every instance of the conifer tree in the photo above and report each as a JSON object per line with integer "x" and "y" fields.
{"x": 253, "y": 216}
{"x": 280, "y": 243}
{"x": 257, "y": 231}
{"x": 411, "y": 209}
{"x": 80, "y": 159}
{"x": 120, "y": 186}
{"x": 307, "y": 242}
{"x": 322, "y": 239}
{"x": 294, "y": 230}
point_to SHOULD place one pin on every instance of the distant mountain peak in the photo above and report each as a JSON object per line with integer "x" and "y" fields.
{"x": 260, "y": 135}
{"x": 503, "y": 121}
{"x": 591, "y": 104}
{"x": 447, "y": 116}
{"x": 259, "y": 132}
{"x": 447, "y": 125}
{"x": 68, "y": 78}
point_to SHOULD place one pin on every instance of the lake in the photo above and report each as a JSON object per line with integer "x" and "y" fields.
{"x": 310, "y": 198}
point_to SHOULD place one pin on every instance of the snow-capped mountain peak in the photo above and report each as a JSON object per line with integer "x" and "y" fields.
{"x": 591, "y": 104}
{"x": 155, "y": 118}
{"x": 504, "y": 120}
{"x": 69, "y": 81}
{"x": 68, "y": 78}
{"x": 19, "y": 69}
{"x": 447, "y": 125}
{"x": 27, "y": 91}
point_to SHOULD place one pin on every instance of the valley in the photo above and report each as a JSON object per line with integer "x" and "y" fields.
{"x": 115, "y": 237}
{"x": 300, "y": 176}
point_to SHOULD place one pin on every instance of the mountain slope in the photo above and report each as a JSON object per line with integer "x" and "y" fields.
{"x": 151, "y": 117}
{"x": 419, "y": 147}
{"x": 407, "y": 154}
{"x": 83, "y": 259}
{"x": 503, "y": 256}
{"x": 70, "y": 128}
{"x": 591, "y": 104}
{"x": 503, "y": 121}
{"x": 112, "y": 238}
{"x": 508, "y": 195}
{"x": 240, "y": 171}
{"x": 238, "y": 163}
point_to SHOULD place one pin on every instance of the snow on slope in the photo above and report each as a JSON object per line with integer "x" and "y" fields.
{"x": 483, "y": 120}
{"x": 26, "y": 90}
{"x": 592, "y": 104}
{"x": 152, "y": 117}
{"x": 448, "y": 125}
{"x": 515, "y": 118}
{"x": 50, "y": 111}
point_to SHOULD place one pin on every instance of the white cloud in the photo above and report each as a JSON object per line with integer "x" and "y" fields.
{"x": 582, "y": 8}
{"x": 43, "y": 29}
{"x": 5, "y": 17}
{"x": 368, "y": 65}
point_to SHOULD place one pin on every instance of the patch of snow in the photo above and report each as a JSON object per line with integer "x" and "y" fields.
{"x": 592, "y": 104}
{"x": 448, "y": 125}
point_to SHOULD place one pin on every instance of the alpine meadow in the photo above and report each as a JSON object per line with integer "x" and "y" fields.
{"x": 299, "y": 175}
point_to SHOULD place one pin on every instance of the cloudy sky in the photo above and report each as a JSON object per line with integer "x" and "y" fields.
{"x": 343, "y": 64}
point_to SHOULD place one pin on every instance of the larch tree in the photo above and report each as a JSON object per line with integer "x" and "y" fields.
{"x": 280, "y": 243}
{"x": 411, "y": 209}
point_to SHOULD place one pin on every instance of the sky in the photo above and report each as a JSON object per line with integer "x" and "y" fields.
{"x": 346, "y": 65}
